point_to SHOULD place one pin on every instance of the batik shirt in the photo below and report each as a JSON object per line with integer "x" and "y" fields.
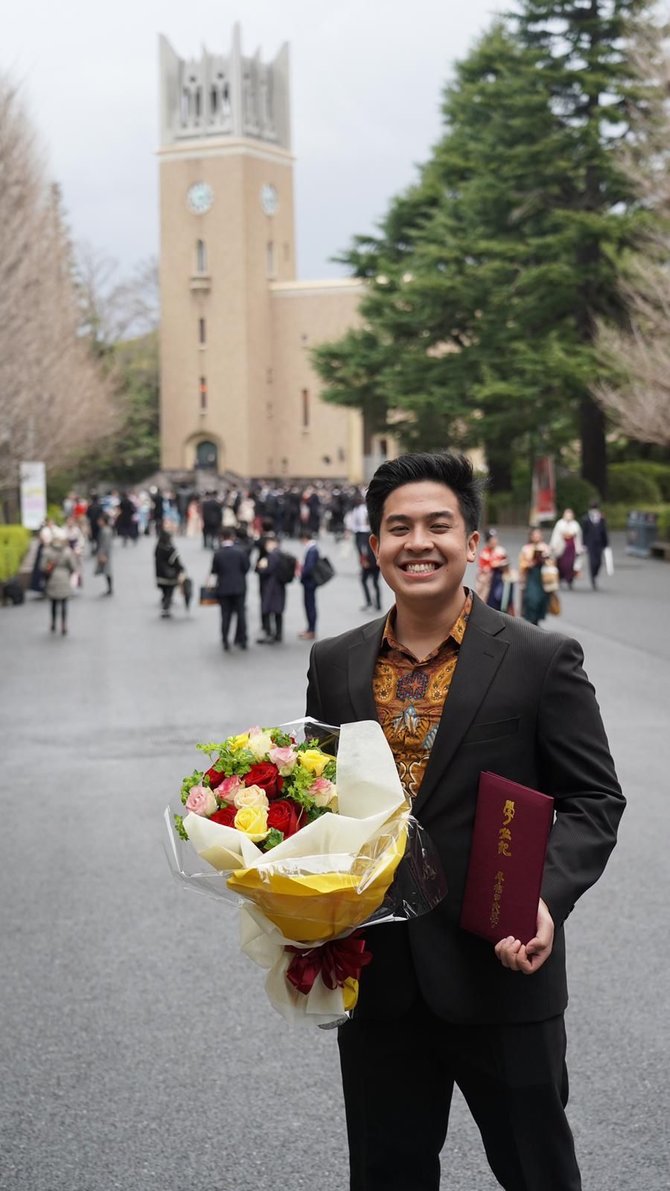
{"x": 410, "y": 696}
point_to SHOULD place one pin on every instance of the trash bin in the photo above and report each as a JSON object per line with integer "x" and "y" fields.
{"x": 641, "y": 532}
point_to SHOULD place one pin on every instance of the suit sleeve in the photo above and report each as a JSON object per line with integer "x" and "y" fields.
{"x": 579, "y": 769}
{"x": 313, "y": 705}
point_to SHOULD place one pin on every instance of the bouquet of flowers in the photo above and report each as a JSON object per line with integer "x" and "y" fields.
{"x": 308, "y": 829}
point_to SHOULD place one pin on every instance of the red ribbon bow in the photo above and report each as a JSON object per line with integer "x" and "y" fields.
{"x": 335, "y": 962}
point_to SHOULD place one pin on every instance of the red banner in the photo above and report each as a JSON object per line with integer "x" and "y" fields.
{"x": 543, "y": 492}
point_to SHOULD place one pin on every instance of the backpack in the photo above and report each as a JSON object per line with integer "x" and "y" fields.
{"x": 286, "y": 567}
{"x": 13, "y": 592}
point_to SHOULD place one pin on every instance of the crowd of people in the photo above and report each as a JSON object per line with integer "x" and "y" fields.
{"x": 245, "y": 528}
{"x": 543, "y": 567}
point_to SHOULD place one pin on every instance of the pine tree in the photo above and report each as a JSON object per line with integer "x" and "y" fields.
{"x": 583, "y": 53}
{"x": 489, "y": 275}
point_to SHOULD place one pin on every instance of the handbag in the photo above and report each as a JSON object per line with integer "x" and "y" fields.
{"x": 554, "y": 605}
{"x": 322, "y": 571}
{"x": 550, "y": 577}
{"x": 208, "y": 597}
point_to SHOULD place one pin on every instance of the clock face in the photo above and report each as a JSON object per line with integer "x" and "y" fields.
{"x": 269, "y": 198}
{"x": 200, "y": 198}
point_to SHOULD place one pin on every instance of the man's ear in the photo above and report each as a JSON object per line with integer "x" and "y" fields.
{"x": 473, "y": 542}
{"x": 374, "y": 545}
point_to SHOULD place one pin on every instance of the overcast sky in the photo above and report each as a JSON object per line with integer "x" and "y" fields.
{"x": 366, "y": 82}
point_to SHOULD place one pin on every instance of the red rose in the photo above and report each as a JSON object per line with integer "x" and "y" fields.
{"x": 265, "y": 775}
{"x": 285, "y": 816}
{"x": 215, "y": 777}
{"x": 225, "y": 816}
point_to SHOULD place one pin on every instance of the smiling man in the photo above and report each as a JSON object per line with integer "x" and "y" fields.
{"x": 460, "y": 688}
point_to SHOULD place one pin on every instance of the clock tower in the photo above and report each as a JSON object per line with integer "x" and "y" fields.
{"x": 238, "y": 391}
{"x": 227, "y": 233}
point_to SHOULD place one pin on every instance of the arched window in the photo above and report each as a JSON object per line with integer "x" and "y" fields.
{"x": 200, "y": 257}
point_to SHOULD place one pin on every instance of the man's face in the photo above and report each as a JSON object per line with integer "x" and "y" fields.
{"x": 423, "y": 546}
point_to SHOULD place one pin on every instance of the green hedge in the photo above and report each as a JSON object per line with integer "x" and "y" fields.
{"x": 572, "y": 492}
{"x": 617, "y": 514}
{"x": 664, "y": 524}
{"x": 635, "y": 483}
{"x": 14, "y": 542}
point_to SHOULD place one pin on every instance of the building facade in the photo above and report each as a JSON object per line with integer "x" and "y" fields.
{"x": 238, "y": 392}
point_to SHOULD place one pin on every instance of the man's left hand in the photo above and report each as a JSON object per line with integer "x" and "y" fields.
{"x": 528, "y": 958}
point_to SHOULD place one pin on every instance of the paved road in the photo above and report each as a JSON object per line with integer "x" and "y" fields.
{"x": 138, "y": 1051}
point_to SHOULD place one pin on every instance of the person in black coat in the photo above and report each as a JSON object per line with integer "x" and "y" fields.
{"x": 126, "y": 523}
{"x": 272, "y": 592}
{"x": 168, "y": 569}
{"x": 460, "y": 688}
{"x": 93, "y": 515}
{"x": 595, "y": 538}
{"x": 211, "y": 512}
{"x": 230, "y": 564}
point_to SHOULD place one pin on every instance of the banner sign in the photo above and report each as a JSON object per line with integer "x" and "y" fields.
{"x": 33, "y": 478}
{"x": 543, "y": 493}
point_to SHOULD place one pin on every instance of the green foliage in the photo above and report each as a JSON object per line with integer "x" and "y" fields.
{"x": 664, "y": 524}
{"x": 487, "y": 275}
{"x": 179, "y": 826}
{"x": 133, "y": 452}
{"x": 658, "y": 472}
{"x": 572, "y": 492}
{"x": 14, "y": 543}
{"x": 633, "y": 484}
{"x": 617, "y": 514}
{"x": 194, "y": 779}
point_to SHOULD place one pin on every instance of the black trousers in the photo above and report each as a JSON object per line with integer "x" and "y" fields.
{"x": 398, "y": 1078}
{"x": 233, "y": 604}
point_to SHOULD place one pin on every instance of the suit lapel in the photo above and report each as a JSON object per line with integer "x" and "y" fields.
{"x": 480, "y": 655}
{"x": 361, "y": 663}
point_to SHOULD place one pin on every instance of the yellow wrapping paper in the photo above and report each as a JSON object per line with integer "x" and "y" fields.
{"x": 311, "y": 908}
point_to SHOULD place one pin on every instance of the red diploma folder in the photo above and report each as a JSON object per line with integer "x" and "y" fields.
{"x": 509, "y": 845}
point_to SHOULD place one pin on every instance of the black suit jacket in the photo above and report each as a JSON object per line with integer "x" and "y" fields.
{"x": 230, "y": 565}
{"x": 519, "y": 705}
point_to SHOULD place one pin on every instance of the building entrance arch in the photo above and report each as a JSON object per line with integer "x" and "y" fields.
{"x": 206, "y": 456}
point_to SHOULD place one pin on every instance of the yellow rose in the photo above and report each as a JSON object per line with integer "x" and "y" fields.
{"x": 349, "y": 993}
{"x": 253, "y": 821}
{"x": 238, "y": 742}
{"x": 314, "y": 761}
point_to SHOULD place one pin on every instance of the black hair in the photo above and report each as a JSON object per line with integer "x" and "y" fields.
{"x": 455, "y": 471}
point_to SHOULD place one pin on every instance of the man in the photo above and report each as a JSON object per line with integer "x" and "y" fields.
{"x": 309, "y": 585}
{"x": 211, "y": 512}
{"x": 595, "y": 538}
{"x": 460, "y": 688}
{"x": 230, "y": 565}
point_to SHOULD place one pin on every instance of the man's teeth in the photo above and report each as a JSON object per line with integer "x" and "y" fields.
{"x": 421, "y": 568}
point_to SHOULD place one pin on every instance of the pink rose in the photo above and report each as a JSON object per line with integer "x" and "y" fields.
{"x": 228, "y": 788}
{"x": 322, "y": 791}
{"x": 284, "y": 759}
{"x": 201, "y": 801}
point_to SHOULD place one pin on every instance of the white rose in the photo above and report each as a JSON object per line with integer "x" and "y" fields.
{"x": 251, "y": 796}
{"x": 260, "y": 745}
